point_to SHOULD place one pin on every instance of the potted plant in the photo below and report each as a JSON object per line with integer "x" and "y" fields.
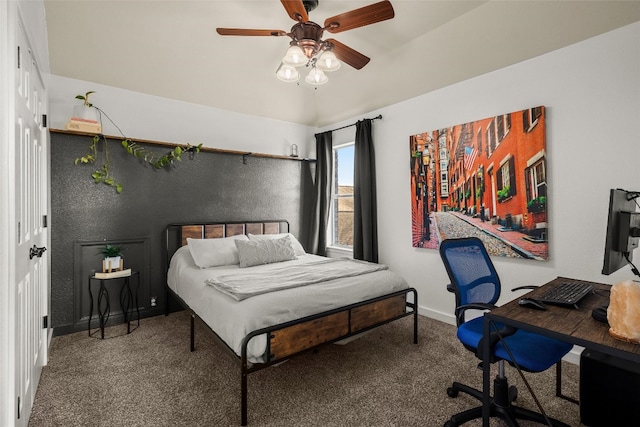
{"x": 112, "y": 258}
{"x": 539, "y": 204}
{"x": 85, "y": 111}
{"x": 504, "y": 193}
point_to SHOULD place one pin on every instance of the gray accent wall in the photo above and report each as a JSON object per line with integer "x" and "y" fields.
{"x": 211, "y": 187}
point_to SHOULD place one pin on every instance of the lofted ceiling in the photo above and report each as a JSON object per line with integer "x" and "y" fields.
{"x": 171, "y": 49}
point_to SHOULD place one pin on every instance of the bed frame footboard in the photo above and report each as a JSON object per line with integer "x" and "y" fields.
{"x": 289, "y": 339}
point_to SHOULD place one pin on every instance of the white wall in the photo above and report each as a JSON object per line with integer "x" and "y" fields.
{"x": 592, "y": 94}
{"x": 161, "y": 119}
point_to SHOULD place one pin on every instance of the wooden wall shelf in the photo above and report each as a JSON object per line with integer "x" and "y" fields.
{"x": 171, "y": 145}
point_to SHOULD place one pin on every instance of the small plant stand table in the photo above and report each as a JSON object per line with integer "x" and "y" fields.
{"x": 128, "y": 300}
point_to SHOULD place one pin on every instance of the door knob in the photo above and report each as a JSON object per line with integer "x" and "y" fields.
{"x": 36, "y": 251}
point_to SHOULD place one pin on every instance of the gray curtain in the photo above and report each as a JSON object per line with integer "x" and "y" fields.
{"x": 307, "y": 206}
{"x": 318, "y": 216}
{"x": 365, "y": 216}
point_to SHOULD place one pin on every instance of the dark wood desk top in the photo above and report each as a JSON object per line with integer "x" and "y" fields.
{"x": 574, "y": 325}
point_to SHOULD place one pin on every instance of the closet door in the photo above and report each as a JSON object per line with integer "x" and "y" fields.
{"x": 30, "y": 287}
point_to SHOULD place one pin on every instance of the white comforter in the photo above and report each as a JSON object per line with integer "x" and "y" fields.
{"x": 232, "y": 320}
{"x": 242, "y": 284}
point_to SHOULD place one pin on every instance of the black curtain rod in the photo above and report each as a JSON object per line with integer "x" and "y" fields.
{"x": 353, "y": 124}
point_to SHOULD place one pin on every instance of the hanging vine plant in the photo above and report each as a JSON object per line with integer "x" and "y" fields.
{"x": 103, "y": 174}
{"x": 154, "y": 159}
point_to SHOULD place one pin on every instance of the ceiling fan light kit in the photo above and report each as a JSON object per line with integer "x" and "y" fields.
{"x": 307, "y": 47}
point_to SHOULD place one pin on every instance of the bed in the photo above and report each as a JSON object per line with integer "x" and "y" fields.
{"x": 266, "y": 300}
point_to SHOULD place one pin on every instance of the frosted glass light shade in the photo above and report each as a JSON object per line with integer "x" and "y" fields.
{"x": 328, "y": 61}
{"x": 287, "y": 73}
{"x": 294, "y": 57}
{"x": 316, "y": 77}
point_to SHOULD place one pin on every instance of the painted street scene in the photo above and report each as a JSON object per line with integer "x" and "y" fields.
{"x": 484, "y": 178}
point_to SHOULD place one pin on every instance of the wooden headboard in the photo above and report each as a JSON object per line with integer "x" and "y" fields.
{"x": 215, "y": 231}
{"x": 177, "y": 234}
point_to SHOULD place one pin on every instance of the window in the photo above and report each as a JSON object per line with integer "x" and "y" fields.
{"x": 536, "y": 180}
{"x": 500, "y": 127}
{"x": 506, "y": 180}
{"x": 497, "y": 131}
{"x": 504, "y": 173}
{"x": 443, "y": 156}
{"x": 491, "y": 139}
{"x": 530, "y": 118}
{"x": 341, "y": 220}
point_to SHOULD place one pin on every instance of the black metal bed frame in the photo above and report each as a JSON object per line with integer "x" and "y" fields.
{"x": 411, "y": 308}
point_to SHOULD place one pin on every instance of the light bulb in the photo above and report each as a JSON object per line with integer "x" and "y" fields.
{"x": 328, "y": 61}
{"x": 287, "y": 73}
{"x": 316, "y": 77}
{"x": 294, "y": 57}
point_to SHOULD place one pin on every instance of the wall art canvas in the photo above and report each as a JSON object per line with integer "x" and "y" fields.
{"x": 485, "y": 178}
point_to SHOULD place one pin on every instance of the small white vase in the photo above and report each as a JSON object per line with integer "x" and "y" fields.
{"x": 111, "y": 263}
{"x": 85, "y": 113}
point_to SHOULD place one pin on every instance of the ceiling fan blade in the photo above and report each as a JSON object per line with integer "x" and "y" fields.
{"x": 296, "y": 10}
{"x": 248, "y": 32}
{"x": 356, "y": 18}
{"x": 347, "y": 55}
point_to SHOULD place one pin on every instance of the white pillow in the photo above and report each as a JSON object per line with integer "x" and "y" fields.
{"x": 266, "y": 251}
{"x": 297, "y": 246}
{"x": 215, "y": 252}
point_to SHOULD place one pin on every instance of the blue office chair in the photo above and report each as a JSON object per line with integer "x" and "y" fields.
{"x": 476, "y": 284}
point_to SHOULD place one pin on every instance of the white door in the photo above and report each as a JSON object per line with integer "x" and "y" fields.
{"x": 31, "y": 287}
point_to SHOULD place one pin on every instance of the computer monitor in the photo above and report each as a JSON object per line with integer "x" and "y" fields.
{"x": 623, "y": 230}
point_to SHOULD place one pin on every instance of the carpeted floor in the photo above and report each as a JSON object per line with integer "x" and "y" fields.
{"x": 150, "y": 378}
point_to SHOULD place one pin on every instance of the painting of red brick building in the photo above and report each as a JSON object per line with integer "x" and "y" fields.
{"x": 484, "y": 178}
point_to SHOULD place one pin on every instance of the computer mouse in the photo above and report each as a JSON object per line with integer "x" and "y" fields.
{"x": 600, "y": 314}
{"x": 532, "y": 303}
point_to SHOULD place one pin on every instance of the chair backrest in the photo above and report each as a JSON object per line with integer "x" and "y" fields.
{"x": 472, "y": 274}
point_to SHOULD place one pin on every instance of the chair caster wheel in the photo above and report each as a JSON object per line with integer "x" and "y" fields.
{"x": 449, "y": 424}
{"x": 452, "y": 392}
{"x": 513, "y": 393}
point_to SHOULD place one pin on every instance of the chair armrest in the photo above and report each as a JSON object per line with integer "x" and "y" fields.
{"x": 476, "y": 306}
{"x": 519, "y": 288}
{"x": 460, "y": 310}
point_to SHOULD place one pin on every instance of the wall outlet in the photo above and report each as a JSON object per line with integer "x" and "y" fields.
{"x": 154, "y": 301}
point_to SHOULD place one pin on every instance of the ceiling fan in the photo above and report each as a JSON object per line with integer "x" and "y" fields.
{"x": 308, "y": 48}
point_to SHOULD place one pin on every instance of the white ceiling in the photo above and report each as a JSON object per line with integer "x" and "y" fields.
{"x": 171, "y": 49}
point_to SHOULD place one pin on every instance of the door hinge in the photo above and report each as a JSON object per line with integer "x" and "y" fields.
{"x": 45, "y": 322}
{"x": 18, "y": 57}
{"x": 44, "y": 221}
{"x": 44, "y": 120}
{"x": 18, "y": 407}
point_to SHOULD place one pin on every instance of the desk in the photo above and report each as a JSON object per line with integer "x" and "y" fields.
{"x": 127, "y": 300}
{"x": 575, "y": 326}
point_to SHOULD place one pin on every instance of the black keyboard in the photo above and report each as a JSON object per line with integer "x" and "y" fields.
{"x": 567, "y": 293}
